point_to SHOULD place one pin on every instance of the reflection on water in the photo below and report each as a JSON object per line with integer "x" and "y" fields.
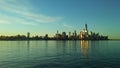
{"x": 59, "y": 54}
{"x": 84, "y": 45}
{"x": 28, "y": 45}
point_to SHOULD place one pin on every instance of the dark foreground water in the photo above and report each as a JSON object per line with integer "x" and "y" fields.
{"x": 59, "y": 54}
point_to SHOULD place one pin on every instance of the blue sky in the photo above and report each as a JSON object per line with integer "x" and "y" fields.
{"x": 47, "y": 16}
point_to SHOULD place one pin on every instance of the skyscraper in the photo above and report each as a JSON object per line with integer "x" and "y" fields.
{"x": 28, "y": 35}
{"x": 75, "y": 34}
{"x": 86, "y": 29}
{"x": 86, "y": 26}
{"x": 63, "y": 34}
{"x": 57, "y": 32}
{"x": 69, "y": 34}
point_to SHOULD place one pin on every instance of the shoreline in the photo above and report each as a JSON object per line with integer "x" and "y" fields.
{"x": 64, "y": 40}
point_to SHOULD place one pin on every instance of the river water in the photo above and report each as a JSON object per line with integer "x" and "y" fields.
{"x": 60, "y": 54}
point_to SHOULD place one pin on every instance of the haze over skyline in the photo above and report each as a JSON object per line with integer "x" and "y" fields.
{"x": 40, "y": 17}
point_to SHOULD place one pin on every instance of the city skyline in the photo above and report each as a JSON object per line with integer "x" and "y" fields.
{"x": 41, "y": 17}
{"x": 84, "y": 34}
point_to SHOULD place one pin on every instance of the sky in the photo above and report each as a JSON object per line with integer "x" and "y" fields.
{"x": 40, "y": 17}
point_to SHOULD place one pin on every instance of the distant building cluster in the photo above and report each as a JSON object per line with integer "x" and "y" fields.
{"x": 83, "y": 35}
{"x": 64, "y": 36}
{"x": 24, "y": 37}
